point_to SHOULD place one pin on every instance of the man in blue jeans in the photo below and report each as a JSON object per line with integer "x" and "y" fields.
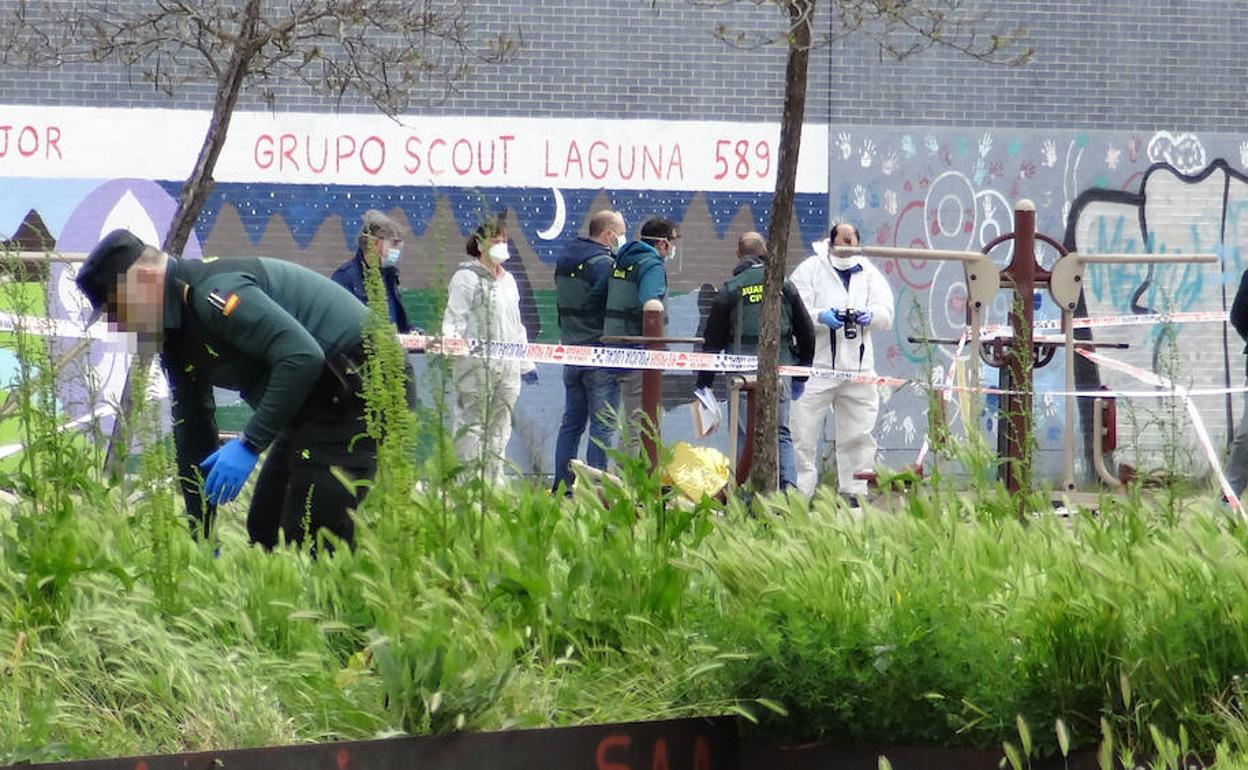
{"x": 581, "y": 277}
{"x": 733, "y": 326}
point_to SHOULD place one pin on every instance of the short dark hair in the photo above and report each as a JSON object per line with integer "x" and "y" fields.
{"x": 658, "y": 228}
{"x": 490, "y": 226}
{"x": 837, "y": 225}
{"x": 600, "y": 221}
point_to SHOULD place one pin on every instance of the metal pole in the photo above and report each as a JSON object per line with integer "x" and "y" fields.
{"x": 1068, "y": 440}
{"x": 652, "y": 380}
{"x": 1023, "y": 271}
{"x": 747, "y": 452}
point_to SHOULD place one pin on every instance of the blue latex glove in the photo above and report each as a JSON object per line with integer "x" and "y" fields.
{"x": 796, "y": 389}
{"x": 228, "y": 469}
{"x": 829, "y": 319}
{"x": 864, "y": 318}
{"x": 529, "y": 377}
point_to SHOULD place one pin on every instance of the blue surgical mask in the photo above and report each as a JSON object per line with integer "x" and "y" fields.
{"x": 392, "y": 258}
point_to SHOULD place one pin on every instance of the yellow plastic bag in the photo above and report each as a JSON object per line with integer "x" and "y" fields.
{"x": 697, "y": 471}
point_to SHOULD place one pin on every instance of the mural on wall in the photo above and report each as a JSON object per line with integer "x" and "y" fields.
{"x": 295, "y": 186}
{"x": 1100, "y": 192}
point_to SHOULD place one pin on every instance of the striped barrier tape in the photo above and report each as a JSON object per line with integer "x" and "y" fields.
{"x": 1202, "y": 433}
{"x": 1110, "y": 321}
{"x": 667, "y": 360}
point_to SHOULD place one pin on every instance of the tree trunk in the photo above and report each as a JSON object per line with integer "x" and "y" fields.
{"x": 199, "y": 184}
{"x": 764, "y": 471}
{"x": 190, "y": 202}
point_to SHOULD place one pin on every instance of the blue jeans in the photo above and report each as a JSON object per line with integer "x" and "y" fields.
{"x": 788, "y": 464}
{"x": 590, "y": 391}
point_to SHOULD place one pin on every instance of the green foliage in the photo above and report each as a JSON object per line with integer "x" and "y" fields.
{"x": 948, "y": 621}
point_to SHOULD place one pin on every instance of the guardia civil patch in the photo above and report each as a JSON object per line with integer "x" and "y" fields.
{"x": 225, "y": 304}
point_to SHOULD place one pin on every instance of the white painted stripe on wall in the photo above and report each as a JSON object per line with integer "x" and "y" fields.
{"x": 471, "y": 151}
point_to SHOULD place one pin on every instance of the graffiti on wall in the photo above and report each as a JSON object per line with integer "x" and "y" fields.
{"x": 1096, "y": 192}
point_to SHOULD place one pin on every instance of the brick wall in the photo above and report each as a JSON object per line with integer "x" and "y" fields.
{"x": 1127, "y": 64}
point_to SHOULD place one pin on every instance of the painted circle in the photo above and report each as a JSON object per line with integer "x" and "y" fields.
{"x": 941, "y": 210}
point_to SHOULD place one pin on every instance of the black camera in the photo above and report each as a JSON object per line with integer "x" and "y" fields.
{"x": 849, "y": 321}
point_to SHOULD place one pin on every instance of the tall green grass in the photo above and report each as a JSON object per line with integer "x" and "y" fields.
{"x": 950, "y": 621}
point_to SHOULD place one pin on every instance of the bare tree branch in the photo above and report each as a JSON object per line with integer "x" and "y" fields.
{"x": 900, "y": 28}
{"x": 393, "y": 52}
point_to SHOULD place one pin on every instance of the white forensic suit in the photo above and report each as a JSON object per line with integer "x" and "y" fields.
{"x": 484, "y": 305}
{"x": 854, "y": 406}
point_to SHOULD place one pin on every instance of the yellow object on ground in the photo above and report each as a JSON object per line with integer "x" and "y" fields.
{"x": 697, "y": 471}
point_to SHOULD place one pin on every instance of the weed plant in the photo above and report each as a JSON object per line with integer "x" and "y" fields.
{"x": 948, "y": 622}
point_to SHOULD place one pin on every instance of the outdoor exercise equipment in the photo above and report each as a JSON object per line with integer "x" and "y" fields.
{"x": 1016, "y": 355}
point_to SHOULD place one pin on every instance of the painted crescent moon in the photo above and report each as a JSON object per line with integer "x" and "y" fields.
{"x": 561, "y": 218}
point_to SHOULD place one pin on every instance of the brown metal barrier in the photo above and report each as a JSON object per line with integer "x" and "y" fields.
{"x": 682, "y": 744}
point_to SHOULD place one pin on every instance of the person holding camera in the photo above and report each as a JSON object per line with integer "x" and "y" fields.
{"x": 848, "y": 298}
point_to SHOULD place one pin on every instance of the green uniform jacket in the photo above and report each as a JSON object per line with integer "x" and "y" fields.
{"x": 638, "y": 276}
{"x": 259, "y": 326}
{"x": 733, "y": 322}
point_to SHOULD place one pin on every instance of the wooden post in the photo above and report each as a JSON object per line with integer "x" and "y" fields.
{"x": 652, "y": 380}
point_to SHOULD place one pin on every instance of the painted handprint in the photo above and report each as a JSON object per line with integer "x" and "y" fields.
{"x": 1243, "y": 154}
{"x": 890, "y": 164}
{"x": 1026, "y": 170}
{"x": 907, "y": 429}
{"x": 845, "y": 143}
{"x": 860, "y": 197}
{"x": 888, "y": 422}
{"x": 907, "y": 146}
{"x": 867, "y": 156}
{"x": 1111, "y": 156}
{"x": 890, "y": 201}
{"x": 931, "y": 144}
{"x": 1049, "y": 149}
{"x": 985, "y": 145}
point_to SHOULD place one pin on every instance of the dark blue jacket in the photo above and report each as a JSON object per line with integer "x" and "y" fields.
{"x": 350, "y": 275}
{"x": 598, "y": 274}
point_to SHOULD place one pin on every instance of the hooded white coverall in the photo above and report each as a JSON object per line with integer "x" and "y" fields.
{"x": 854, "y": 406}
{"x": 484, "y": 305}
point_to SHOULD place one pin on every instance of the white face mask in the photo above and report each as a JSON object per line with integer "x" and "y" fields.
{"x": 842, "y": 263}
{"x": 498, "y": 253}
{"x": 620, "y": 240}
{"x": 392, "y": 258}
{"x": 671, "y": 252}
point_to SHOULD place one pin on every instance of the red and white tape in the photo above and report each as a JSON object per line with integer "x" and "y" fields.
{"x": 1202, "y": 433}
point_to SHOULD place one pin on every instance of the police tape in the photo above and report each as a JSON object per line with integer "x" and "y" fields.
{"x": 676, "y": 361}
{"x": 56, "y": 327}
{"x": 670, "y": 360}
{"x": 1198, "y": 424}
{"x": 1109, "y": 321}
